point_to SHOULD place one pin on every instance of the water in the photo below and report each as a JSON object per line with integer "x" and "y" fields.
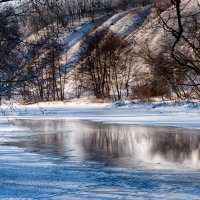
{"x": 56, "y": 159}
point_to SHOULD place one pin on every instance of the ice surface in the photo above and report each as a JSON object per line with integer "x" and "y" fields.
{"x": 57, "y": 160}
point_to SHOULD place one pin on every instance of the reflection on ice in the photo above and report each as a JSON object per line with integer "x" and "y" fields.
{"x": 114, "y": 144}
{"x": 56, "y": 159}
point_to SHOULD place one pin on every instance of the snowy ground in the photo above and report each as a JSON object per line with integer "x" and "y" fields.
{"x": 181, "y": 115}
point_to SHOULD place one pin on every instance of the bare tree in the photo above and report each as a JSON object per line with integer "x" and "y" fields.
{"x": 185, "y": 48}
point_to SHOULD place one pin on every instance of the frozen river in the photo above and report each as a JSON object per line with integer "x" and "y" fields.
{"x": 60, "y": 159}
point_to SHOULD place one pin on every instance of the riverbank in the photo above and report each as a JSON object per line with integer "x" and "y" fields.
{"x": 167, "y": 114}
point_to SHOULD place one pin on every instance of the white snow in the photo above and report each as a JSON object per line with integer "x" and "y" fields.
{"x": 180, "y": 115}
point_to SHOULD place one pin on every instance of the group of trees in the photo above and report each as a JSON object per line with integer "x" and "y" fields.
{"x": 30, "y": 64}
{"x": 106, "y": 68}
{"x": 47, "y": 74}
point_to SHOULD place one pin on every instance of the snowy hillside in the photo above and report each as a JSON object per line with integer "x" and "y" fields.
{"x": 123, "y": 23}
{"x": 154, "y": 34}
{"x": 122, "y": 50}
{"x": 143, "y": 31}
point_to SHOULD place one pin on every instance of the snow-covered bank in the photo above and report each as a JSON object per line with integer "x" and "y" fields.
{"x": 180, "y": 115}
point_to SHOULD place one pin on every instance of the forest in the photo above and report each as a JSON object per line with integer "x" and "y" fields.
{"x": 34, "y": 57}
